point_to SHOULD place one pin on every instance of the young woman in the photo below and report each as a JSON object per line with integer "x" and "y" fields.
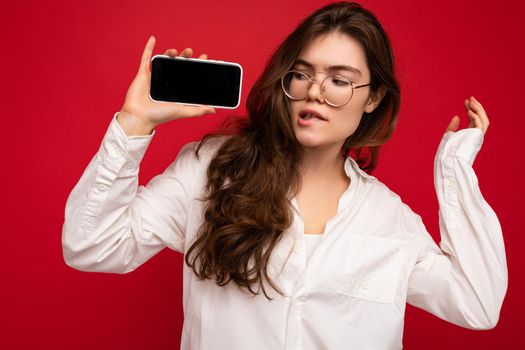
{"x": 288, "y": 242}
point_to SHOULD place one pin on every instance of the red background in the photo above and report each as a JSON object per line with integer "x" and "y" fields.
{"x": 66, "y": 66}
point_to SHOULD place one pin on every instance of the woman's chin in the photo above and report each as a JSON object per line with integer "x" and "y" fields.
{"x": 309, "y": 141}
{"x": 314, "y": 141}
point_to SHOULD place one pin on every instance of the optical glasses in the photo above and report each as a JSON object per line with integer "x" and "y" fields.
{"x": 336, "y": 90}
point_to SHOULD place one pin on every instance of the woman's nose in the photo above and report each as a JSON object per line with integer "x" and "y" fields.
{"x": 315, "y": 92}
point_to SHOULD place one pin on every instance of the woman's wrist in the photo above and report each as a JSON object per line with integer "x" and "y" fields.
{"x": 133, "y": 125}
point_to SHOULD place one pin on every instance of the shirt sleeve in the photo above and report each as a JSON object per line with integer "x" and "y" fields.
{"x": 464, "y": 280}
{"x": 112, "y": 224}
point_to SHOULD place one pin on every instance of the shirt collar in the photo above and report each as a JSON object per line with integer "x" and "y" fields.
{"x": 352, "y": 170}
{"x": 351, "y": 164}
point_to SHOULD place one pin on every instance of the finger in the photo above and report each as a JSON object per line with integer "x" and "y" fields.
{"x": 187, "y": 52}
{"x": 146, "y": 55}
{"x": 471, "y": 119}
{"x": 484, "y": 120}
{"x": 475, "y": 120}
{"x": 203, "y": 56}
{"x": 454, "y": 124}
{"x": 476, "y": 104}
{"x": 481, "y": 120}
{"x": 480, "y": 111}
{"x": 171, "y": 52}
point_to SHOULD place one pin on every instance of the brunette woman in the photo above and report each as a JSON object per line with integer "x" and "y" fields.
{"x": 289, "y": 242}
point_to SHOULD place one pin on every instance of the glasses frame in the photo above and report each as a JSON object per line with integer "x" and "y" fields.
{"x": 312, "y": 80}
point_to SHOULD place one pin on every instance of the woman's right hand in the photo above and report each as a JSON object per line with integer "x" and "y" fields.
{"x": 140, "y": 115}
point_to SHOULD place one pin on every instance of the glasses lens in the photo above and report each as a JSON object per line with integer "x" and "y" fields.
{"x": 337, "y": 90}
{"x": 295, "y": 84}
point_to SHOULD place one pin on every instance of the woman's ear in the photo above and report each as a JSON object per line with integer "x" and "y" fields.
{"x": 375, "y": 99}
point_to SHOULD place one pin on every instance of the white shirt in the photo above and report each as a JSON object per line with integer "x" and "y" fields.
{"x": 374, "y": 256}
{"x": 311, "y": 242}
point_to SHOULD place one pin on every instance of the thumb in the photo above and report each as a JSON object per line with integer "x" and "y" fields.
{"x": 195, "y": 111}
{"x": 454, "y": 124}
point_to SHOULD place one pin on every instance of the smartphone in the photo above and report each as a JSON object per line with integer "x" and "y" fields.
{"x": 195, "y": 81}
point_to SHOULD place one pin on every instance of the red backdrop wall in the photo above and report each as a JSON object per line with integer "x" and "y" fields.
{"x": 66, "y": 66}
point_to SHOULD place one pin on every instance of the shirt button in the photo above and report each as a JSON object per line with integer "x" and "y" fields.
{"x": 101, "y": 187}
{"x": 120, "y": 151}
{"x": 364, "y": 285}
{"x": 450, "y": 183}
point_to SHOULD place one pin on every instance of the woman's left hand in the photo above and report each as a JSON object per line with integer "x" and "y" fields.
{"x": 476, "y": 114}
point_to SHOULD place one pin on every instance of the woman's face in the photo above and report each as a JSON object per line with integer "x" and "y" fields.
{"x": 333, "y": 124}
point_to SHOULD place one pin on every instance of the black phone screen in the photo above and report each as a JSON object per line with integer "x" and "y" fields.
{"x": 196, "y": 82}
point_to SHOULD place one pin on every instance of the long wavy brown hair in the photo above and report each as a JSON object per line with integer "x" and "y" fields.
{"x": 254, "y": 174}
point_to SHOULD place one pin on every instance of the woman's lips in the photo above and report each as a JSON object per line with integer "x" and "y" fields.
{"x": 307, "y": 117}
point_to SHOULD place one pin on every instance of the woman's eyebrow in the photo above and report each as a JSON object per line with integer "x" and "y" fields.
{"x": 330, "y": 69}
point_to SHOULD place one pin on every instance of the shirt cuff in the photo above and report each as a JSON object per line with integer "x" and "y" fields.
{"x": 464, "y": 144}
{"x": 119, "y": 151}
